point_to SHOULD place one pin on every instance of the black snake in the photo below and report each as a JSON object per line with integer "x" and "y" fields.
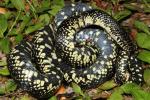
{"x": 84, "y": 45}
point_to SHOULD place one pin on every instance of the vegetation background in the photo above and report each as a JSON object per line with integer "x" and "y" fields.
{"x": 21, "y": 18}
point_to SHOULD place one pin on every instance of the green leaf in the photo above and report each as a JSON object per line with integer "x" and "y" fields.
{"x": 122, "y": 14}
{"x": 6, "y": 2}
{"x": 44, "y": 18}
{"x": 19, "y": 4}
{"x": 8, "y": 15}
{"x": 108, "y": 85}
{"x": 4, "y": 71}
{"x": 147, "y": 10}
{"x": 55, "y": 9}
{"x": 24, "y": 23}
{"x": 46, "y": 3}
{"x": 13, "y": 32}
{"x": 144, "y": 55}
{"x": 77, "y": 89}
{"x": 135, "y": 91}
{"x": 25, "y": 97}
{"x": 129, "y": 88}
{"x": 53, "y": 98}
{"x": 31, "y": 29}
{"x": 143, "y": 40}
{"x": 117, "y": 94}
{"x": 3, "y": 63}
{"x": 139, "y": 95}
{"x": 147, "y": 76}
{"x": 35, "y": 3}
{"x": 44, "y": 6}
{"x": 140, "y": 7}
{"x": 148, "y": 1}
{"x": 56, "y": 6}
{"x": 142, "y": 26}
{"x": 19, "y": 37}
{"x": 9, "y": 86}
{"x": 130, "y": 6}
{"x": 58, "y": 2}
{"x": 4, "y": 45}
{"x": 2, "y": 89}
{"x": 3, "y": 25}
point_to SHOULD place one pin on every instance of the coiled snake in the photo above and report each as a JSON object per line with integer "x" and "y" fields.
{"x": 84, "y": 45}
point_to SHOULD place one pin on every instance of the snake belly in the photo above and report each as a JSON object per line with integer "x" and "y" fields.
{"x": 85, "y": 45}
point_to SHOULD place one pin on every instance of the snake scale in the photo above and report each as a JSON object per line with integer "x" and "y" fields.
{"x": 83, "y": 45}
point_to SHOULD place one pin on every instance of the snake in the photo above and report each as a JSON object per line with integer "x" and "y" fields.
{"x": 82, "y": 45}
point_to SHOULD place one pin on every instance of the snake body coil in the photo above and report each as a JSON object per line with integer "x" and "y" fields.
{"x": 85, "y": 45}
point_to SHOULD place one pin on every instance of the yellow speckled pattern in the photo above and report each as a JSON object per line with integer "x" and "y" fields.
{"x": 84, "y": 45}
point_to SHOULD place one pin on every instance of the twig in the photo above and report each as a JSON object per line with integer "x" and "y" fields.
{"x": 14, "y": 23}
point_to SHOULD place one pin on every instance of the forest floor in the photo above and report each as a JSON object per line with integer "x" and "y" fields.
{"x": 19, "y": 19}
